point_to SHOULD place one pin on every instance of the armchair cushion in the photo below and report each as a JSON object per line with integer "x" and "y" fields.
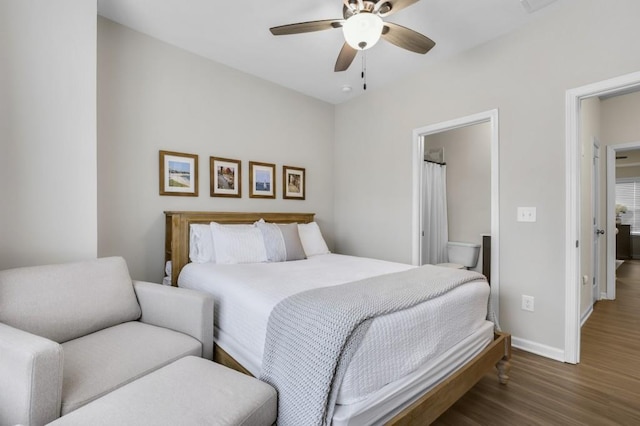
{"x": 64, "y": 302}
{"x": 99, "y": 363}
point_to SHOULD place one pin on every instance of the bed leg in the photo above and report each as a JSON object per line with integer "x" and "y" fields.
{"x": 503, "y": 366}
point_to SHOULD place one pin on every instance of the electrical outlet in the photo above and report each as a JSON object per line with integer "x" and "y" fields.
{"x": 526, "y": 214}
{"x": 527, "y": 303}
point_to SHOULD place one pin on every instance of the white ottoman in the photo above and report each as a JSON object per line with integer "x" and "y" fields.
{"x": 190, "y": 391}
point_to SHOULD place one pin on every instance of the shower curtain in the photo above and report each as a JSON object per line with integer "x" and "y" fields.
{"x": 434, "y": 214}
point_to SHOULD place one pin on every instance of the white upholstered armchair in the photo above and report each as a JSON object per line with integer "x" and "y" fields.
{"x": 72, "y": 333}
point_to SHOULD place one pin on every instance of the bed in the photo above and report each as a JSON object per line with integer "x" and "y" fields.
{"x": 415, "y": 398}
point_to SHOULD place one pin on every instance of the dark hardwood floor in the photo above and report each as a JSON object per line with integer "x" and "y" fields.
{"x": 604, "y": 389}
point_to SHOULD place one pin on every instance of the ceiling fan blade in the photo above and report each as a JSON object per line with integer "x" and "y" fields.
{"x": 307, "y": 27}
{"x": 406, "y": 38}
{"x": 346, "y": 56}
{"x": 388, "y": 7}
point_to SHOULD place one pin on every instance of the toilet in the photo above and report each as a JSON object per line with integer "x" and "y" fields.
{"x": 461, "y": 255}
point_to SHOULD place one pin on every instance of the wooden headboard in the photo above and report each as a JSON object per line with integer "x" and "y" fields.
{"x": 176, "y": 236}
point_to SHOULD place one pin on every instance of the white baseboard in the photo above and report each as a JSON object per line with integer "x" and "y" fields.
{"x": 586, "y": 315}
{"x": 538, "y": 349}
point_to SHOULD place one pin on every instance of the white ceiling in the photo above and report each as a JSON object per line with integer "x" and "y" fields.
{"x": 236, "y": 33}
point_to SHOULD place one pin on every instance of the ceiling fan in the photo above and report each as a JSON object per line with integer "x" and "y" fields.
{"x": 362, "y": 25}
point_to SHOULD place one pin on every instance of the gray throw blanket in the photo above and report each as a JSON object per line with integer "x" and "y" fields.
{"x": 312, "y": 336}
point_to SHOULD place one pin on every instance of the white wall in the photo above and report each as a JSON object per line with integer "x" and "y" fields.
{"x": 525, "y": 75}
{"x": 620, "y": 119}
{"x": 47, "y": 131}
{"x": 153, "y": 96}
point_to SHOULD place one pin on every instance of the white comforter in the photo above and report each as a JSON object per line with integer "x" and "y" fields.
{"x": 396, "y": 344}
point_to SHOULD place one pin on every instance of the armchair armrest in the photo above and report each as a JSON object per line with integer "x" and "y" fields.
{"x": 179, "y": 309}
{"x": 31, "y": 377}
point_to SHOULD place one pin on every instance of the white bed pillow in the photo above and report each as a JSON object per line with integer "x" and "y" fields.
{"x": 311, "y": 239}
{"x": 273, "y": 241}
{"x": 281, "y": 241}
{"x": 292, "y": 242}
{"x": 238, "y": 244}
{"x": 201, "y": 244}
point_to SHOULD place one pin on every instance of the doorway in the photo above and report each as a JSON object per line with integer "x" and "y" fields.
{"x": 613, "y": 152}
{"x": 456, "y": 192}
{"x": 574, "y": 98}
{"x": 419, "y": 135}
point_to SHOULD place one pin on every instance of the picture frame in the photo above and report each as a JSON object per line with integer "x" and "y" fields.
{"x": 261, "y": 180}
{"x": 225, "y": 177}
{"x": 178, "y": 174}
{"x": 293, "y": 183}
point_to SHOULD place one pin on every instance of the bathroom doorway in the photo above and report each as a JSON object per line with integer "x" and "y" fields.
{"x": 470, "y": 212}
{"x": 463, "y": 175}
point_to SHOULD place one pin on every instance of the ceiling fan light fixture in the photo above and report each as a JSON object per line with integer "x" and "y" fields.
{"x": 362, "y": 30}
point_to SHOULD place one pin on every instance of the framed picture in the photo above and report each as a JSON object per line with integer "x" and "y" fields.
{"x": 178, "y": 174}
{"x": 225, "y": 177}
{"x": 293, "y": 183}
{"x": 261, "y": 180}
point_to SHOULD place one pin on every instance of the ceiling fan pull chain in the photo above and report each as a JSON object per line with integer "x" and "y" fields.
{"x": 364, "y": 68}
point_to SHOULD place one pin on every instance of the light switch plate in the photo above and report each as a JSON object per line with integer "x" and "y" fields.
{"x": 526, "y": 214}
{"x": 528, "y": 303}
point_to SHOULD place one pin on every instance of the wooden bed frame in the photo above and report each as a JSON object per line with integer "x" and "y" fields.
{"x": 176, "y": 237}
{"x": 423, "y": 411}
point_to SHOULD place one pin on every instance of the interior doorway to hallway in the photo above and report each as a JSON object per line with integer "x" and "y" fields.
{"x": 574, "y": 205}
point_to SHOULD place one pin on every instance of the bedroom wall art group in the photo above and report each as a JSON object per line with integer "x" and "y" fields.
{"x": 179, "y": 176}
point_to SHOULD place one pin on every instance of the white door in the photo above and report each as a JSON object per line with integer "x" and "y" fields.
{"x": 598, "y": 230}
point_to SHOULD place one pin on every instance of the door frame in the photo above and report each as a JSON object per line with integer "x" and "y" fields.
{"x": 419, "y": 134}
{"x": 597, "y": 222}
{"x": 615, "y": 86}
